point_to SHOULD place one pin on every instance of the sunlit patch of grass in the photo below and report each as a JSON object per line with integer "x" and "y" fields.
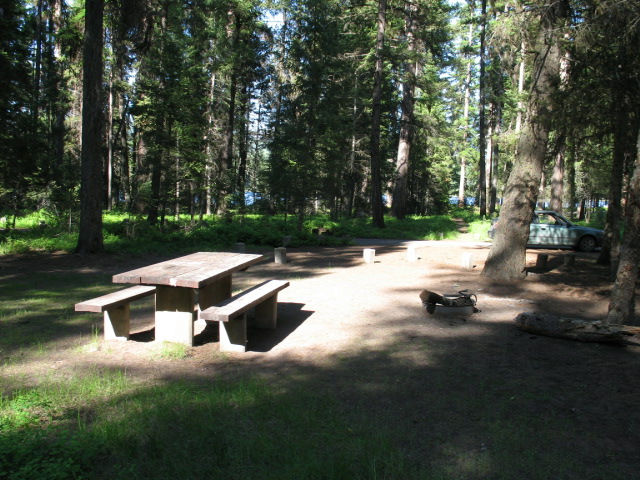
{"x": 133, "y": 235}
{"x": 93, "y": 342}
{"x": 478, "y": 229}
{"x": 172, "y": 351}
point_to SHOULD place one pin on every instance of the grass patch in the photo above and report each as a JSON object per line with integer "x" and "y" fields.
{"x": 129, "y": 234}
{"x": 104, "y": 426}
{"x": 172, "y": 351}
{"x": 479, "y": 228}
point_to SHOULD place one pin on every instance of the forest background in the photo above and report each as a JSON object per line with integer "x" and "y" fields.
{"x": 347, "y": 109}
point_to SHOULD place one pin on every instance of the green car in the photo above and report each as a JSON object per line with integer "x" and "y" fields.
{"x": 551, "y": 230}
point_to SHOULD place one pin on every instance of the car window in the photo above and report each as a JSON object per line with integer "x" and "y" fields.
{"x": 548, "y": 219}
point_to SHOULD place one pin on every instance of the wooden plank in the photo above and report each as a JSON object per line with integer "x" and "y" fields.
{"x": 191, "y": 271}
{"x": 115, "y": 299}
{"x": 209, "y": 273}
{"x": 242, "y": 302}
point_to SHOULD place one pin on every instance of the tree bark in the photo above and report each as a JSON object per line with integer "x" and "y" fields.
{"x": 399, "y": 198}
{"x": 621, "y": 143}
{"x": 90, "y": 239}
{"x": 575, "y": 328}
{"x": 622, "y": 301}
{"x": 507, "y": 258}
{"x": 465, "y": 119}
{"x": 376, "y": 179}
{"x": 482, "y": 180}
{"x": 557, "y": 178}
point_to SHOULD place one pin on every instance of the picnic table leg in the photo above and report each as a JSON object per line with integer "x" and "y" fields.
{"x": 233, "y": 334}
{"x": 214, "y": 293}
{"x": 174, "y": 314}
{"x": 117, "y": 322}
{"x": 267, "y": 313}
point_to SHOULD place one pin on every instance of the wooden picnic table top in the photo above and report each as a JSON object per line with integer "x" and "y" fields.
{"x": 192, "y": 271}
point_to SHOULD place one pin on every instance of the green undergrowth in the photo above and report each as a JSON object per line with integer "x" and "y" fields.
{"x": 44, "y": 232}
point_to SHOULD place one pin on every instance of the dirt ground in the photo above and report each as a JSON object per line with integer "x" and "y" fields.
{"x": 360, "y": 331}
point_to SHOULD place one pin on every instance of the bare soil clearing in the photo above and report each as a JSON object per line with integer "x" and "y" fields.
{"x": 360, "y": 332}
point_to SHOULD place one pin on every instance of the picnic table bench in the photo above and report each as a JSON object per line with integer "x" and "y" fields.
{"x": 116, "y": 309}
{"x": 231, "y": 313}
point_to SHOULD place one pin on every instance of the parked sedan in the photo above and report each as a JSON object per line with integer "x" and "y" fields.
{"x": 551, "y": 230}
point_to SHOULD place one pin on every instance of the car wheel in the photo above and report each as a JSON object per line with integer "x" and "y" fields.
{"x": 587, "y": 244}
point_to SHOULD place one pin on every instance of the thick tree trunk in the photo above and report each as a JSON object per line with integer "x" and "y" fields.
{"x": 90, "y": 239}
{"x": 622, "y": 301}
{"x": 507, "y": 257}
{"x": 376, "y": 179}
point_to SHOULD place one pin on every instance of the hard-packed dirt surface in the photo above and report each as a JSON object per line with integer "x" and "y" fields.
{"x": 359, "y": 331}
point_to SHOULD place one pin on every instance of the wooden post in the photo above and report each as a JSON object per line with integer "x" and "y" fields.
{"x": 267, "y": 313}
{"x": 569, "y": 260}
{"x": 117, "y": 323}
{"x": 369, "y": 255}
{"x": 541, "y": 262}
{"x": 467, "y": 260}
{"x": 233, "y": 334}
{"x": 280, "y": 255}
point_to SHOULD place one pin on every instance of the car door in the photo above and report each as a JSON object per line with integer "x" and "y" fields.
{"x": 534, "y": 231}
{"x": 551, "y": 230}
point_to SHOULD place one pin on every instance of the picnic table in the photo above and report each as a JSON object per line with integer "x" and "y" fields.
{"x": 186, "y": 286}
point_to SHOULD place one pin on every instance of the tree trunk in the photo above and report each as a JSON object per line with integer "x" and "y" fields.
{"x": 557, "y": 178}
{"x": 611, "y": 245}
{"x": 482, "y": 180}
{"x": 570, "y": 174}
{"x": 376, "y": 179}
{"x": 90, "y": 239}
{"x": 399, "y": 198}
{"x": 507, "y": 257}
{"x": 465, "y": 121}
{"x": 622, "y": 301}
{"x": 243, "y": 148}
{"x": 226, "y": 162}
{"x": 109, "y": 130}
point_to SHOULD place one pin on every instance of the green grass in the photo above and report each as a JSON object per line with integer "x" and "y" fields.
{"x": 172, "y": 351}
{"x": 128, "y": 234}
{"x": 479, "y": 228}
{"x": 105, "y": 426}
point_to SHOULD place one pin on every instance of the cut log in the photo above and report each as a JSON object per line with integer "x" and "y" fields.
{"x": 576, "y": 328}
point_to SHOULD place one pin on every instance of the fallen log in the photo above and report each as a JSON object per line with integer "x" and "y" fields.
{"x": 576, "y": 328}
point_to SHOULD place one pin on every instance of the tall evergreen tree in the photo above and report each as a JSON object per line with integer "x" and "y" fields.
{"x": 90, "y": 239}
{"x": 506, "y": 260}
{"x": 378, "y": 74}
